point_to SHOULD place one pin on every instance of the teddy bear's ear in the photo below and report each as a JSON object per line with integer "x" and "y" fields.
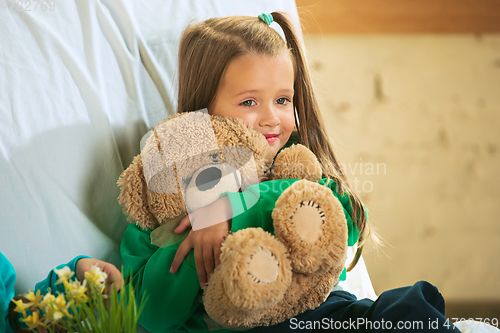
{"x": 133, "y": 195}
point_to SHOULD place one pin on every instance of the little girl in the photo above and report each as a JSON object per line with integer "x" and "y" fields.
{"x": 240, "y": 67}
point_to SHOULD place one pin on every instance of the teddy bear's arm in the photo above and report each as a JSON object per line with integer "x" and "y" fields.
{"x": 172, "y": 298}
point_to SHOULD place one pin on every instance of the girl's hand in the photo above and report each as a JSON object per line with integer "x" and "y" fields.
{"x": 205, "y": 241}
{"x": 114, "y": 276}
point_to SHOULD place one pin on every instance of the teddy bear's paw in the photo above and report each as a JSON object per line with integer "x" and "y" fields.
{"x": 296, "y": 162}
{"x": 257, "y": 271}
{"x": 262, "y": 266}
{"x": 310, "y": 220}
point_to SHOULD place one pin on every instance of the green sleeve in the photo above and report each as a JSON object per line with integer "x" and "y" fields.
{"x": 253, "y": 207}
{"x": 7, "y": 281}
{"x": 50, "y": 281}
{"x": 173, "y": 299}
{"x": 352, "y": 230}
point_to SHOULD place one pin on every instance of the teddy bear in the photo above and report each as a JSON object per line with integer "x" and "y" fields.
{"x": 188, "y": 162}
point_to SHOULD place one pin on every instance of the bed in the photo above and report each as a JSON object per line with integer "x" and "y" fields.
{"x": 81, "y": 82}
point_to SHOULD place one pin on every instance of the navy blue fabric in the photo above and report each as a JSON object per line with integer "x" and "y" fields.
{"x": 418, "y": 308}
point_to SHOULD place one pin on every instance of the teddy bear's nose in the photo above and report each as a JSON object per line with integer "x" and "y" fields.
{"x": 208, "y": 178}
{"x": 208, "y": 183}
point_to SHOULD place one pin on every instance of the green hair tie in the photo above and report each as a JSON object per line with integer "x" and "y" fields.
{"x": 266, "y": 17}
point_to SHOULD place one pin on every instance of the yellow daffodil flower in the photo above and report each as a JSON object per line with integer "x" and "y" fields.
{"x": 33, "y": 320}
{"x": 48, "y": 304}
{"x": 64, "y": 274}
{"x": 20, "y": 306}
{"x": 48, "y": 298}
{"x": 77, "y": 290}
{"x": 48, "y": 314}
{"x": 56, "y": 315}
{"x": 62, "y": 305}
{"x": 97, "y": 276}
{"x": 50, "y": 311}
{"x": 35, "y": 298}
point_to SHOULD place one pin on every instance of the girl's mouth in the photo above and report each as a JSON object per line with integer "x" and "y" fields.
{"x": 271, "y": 138}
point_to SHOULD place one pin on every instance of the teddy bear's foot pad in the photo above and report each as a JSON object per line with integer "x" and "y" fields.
{"x": 310, "y": 221}
{"x": 254, "y": 272}
{"x": 262, "y": 266}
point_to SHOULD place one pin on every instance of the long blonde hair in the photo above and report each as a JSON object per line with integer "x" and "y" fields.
{"x": 207, "y": 48}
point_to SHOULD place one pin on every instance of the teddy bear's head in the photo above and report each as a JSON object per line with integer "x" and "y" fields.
{"x": 187, "y": 163}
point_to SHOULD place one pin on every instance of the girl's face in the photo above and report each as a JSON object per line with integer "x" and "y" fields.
{"x": 259, "y": 90}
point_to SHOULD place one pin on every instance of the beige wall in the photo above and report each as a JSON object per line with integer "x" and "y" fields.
{"x": 416, "y": 119}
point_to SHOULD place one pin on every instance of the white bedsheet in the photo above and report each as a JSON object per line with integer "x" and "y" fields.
{"x": 79, "y": 87}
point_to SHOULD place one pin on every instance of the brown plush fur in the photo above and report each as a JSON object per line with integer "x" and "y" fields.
{"x": 154, "y": 201}
{"x": 228, "y": 299}
{"x": 235, "y": 300}
{"x": 262, "y": 279}
{"x": 331, "y": 246}
{"x": 286, "y": 166}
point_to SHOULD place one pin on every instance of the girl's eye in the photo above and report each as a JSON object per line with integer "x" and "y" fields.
{"x": 248, "y": 103}
{"x": 282, "y": 100}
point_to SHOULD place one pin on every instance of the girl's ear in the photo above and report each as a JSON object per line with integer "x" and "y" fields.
{"x": 133, "y": 195}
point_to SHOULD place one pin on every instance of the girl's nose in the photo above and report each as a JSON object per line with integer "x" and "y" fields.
{"x": 269, "y": 116}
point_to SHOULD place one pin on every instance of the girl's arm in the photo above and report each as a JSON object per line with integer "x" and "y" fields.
{"x": 253, "y": 207}
{"x": 50, "y": 281}
{"x": 173, "y": 299}
{"x": 79, "y": 265}
{"x": 7, "y": 281}
{"x": 211, "y": 225}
